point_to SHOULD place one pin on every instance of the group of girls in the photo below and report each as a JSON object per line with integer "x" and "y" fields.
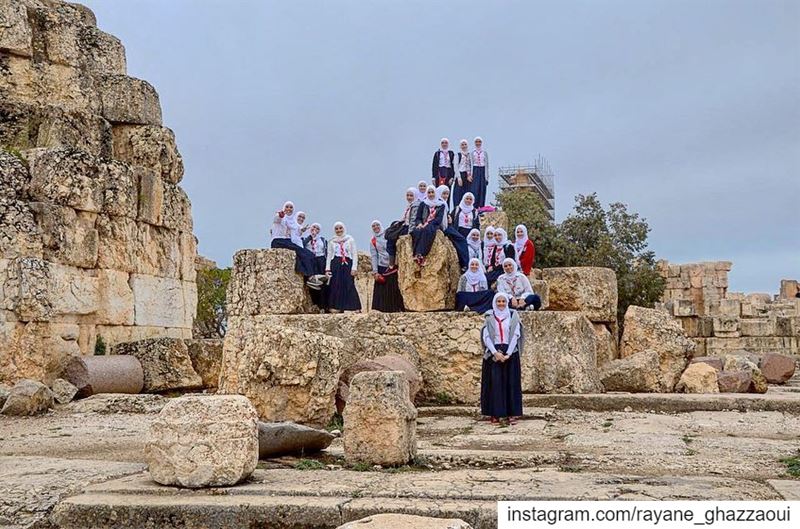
{"x": 472, "y": 167}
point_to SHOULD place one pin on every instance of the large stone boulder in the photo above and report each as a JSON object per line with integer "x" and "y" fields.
{"x": 405, "y": 521}
{"x": 380, "y": 420}
{"x": 432, "y": 286}
{"x": 734, "y": 381}
{"x": 203, "y": 441}
{"x": 741, "y": 363}
{"x": 206, "y": 356}
{"x": 777, "y": 368}
{"x": 284, "y": 438}
{"x": 590, "y": 290}
{"x": 713, "y": 361}
{"x": 381, "y": 363}
{"x": 165, "y": 363}
{"x": 656, "y": 330}
{"x": 637, "y": 373}
{"x": 698, "y": 378}
{"x": 264, "y": 282}
{"x": 104, "y": 374}
{"x": 28, "y": 397}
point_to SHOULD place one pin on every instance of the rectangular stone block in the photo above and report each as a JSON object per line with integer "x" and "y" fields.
{"x": 151, "y": 147}
{"x": 188, "y": 254}
{"x": 44, "y": 83}
{"x": 101, "y": 53}
{"x": 66, "y": 177}
{"x": 725, "y": 324}
{"x": 158, "y": 301}
{"x": 157, "y": 251}
{"x": 724, "y": 307}
{"x": 591, "y": 290}
{"x": 683, "y": 308}
{"x": 789, "y": 289}
{"x": 787, "y": 326}
{"x": 757, "y": 327}
{"x": 68, "y": 237}
{"x": 118, "y": 243}
{"x": 116, "y": 305}
{"x": 698, "y": 326}
{"x": 177, "y": 208}
{"x": 128, "y": 100}
{"x": 120, "y": 189}
{"x": 15, "y": 29}
{"x": 114, "y": 334}
{"x": 151, "y": 196}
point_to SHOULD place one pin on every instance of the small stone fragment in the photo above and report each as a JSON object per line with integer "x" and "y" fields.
{"x": 698, "y": 378}
{"x": 63, "y": 391}
{"x": 28, "y": 397}
{"x": 282, "y": 438}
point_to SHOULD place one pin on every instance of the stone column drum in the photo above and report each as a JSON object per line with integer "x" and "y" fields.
{"x": 380, "y": 420}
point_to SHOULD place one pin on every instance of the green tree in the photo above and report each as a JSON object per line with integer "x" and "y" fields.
{"x": 212, "y": 315}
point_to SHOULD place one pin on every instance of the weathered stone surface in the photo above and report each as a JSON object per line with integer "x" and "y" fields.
{"x": 605, "y": 344}
{"x": 63, "y": 391}
{"x": 104, "y": 374}
{"x": 15, "y": 30}
{"x": 777, "y": 368}
{"x": 149, "y": 146}
{"x": 380, "y": 420}
{"x": 19, "y": 234}
{"x": 540, "y": 287}
{"x": 177, "y": 209}
{"x": 405, "y": 521}
{"x": 151, "y": 196}
{"x": 116, "y": 303}
{"x": 590, "y": 290}
{"x": 203, "y": 441}
{"x": 28, "y": 397}
{"x": 121, "y": 189}
{"x": 4, "y": 391}
{"x": 698, "y": 378}
{"x": 657, "y": 330}
{"x": 264, "y": 282}
{"x": 498, "y": 219}
{"x": 68, "y": 236}
{"x": 117, "y": 243}
{"x": 165, "y": 363}
{"x": 66, "y": 177}
{"x": 159, "y": 301}
{"x": 284, "y": 438}
{"x": 128, "y": 100}
{"x": 432, "y": 286}
{"x": 381, "y": 363}
{"x": 637, "y": 373}
{"x": 36, "y": 349}
{"x": 734, "y": 381}
{"x": 758, "y": 383}
{"x": 206, "y": 356}
{"x": 14, "y": 177}
{"x": 107, "y": 403}
{"x": 713, "y": 361}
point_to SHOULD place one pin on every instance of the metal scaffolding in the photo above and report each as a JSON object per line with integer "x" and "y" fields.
{"x": 536, "y": 177}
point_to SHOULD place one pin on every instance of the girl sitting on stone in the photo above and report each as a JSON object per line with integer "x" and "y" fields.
{"x": 317, "y": 245}
{"x": 412, "y": 204}
{"x": 341, "y": 269}
{"x": 501, "y": 377}
{"x": 386, "y": 295}
{"x": 473, "y": 290}
{"x": 430, "y": 218}
{"x": 501, "y": 250}
{"x": 518, "y": 288}
{"x": 458, "y": 240}
{"x": 285, "y": 231}
{"x": 465, "y": 216}
{"x": 474, "y": 245}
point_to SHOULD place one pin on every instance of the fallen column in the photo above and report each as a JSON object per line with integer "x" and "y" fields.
{"x": 104, "y": 374}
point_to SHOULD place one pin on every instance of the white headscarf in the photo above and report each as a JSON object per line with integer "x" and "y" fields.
{"x": 502, "y": 314}
{"x": 376, "y": 221}
{"x": 421, "y": 194}
{"x": 344, "y": 237}
{"x": 462, "y": 148}
{"x": 513, "y": 272}
{"x": 475, "y": 245}
{"x": 487, "y": 240}
{"x": 464, "y": 207}
{"x": 297, "y": 215}
{"x": 440, "y": 144}
{"x": 436, "y": 200}
{"x": 504, "y": 240}
{"x": 473, "y": 278}
{"x": 519, "y": 242}
{"x": 440, "y": 191}
{"x": 414, "y": 191}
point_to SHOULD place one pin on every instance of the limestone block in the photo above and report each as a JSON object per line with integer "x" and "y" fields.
{"x": 15, "y": 30}
{"x": 56, "y": 33}
{"x": 206, "y": 356}
{"x": 158, "y": 301}
{"x": 540, "y": 287}
{"x": 777, "y": 368}
{"x": 188, "y": 253}
{"x": 789, "y": 289}
{"x": 590, "y": 290}
{"x": 114, "y": 334}
{"x": 66, "y": 177}
{"x": 36, "y": 350}
{"x": 116, "y": 304}
{"x": 605, "y": 344}
{"x": 189, "y": 303}
{"x": 92, "y": 375}
{"x": 44, "y": 83}
{"x": 151, "y": 196}
{"x": 698, "y": 326}
{"x": 725, "y": 324}
{"x": 683, "y": 308}
{"x": 636, "y": 373}
{"x": 203, "y": 441}
{"x": 405, "y": 521}
{"x": 176, "y": 208}
{"x": 433, "y": 286}
{"x": 4, "y": 391}
{"x": 381, "y": 363}
{"x": 498, "y": 219}
{"x": 365, "y": 281}
{"x": 787, "y": 326}
{"x": 151, "y": 147}
{"x": 118, "y": 242}
{"x": 14, "y": 177}
{"x": 19, "y": 233}
{"x": 656, "y": 330}
{"x": 264, "y": 282}
{"x": 157, "y": 251}
{"x": 758, "y": 382}
{"x": 380, "y": 420}
{"x": 128, "y": 100}
{"x": 285, "y": 438}
{"x": 63, "y": 391}
{"x": 101, "y": 53}
{"x": 734, "y": 381}
{"x": 165, "y": 362}
{"x": 758, "y": 327}
{"x": 28, "y": 397}
{"x": 121, "y": 189}
{"x": 698, "y": 378}
{"x": 68, "y": 236}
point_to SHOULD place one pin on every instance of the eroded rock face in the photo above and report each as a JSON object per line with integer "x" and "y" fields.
{"x": 433, "y": 286}
{"x": 63, "y": 391}
{"x": 264, "y": 282}
{"x": 203, "y": 441}
{"x": 734, "y": 381}
{"x": 605, "y": 343}
{"x": 380, "y": 420}
{"x": 698, "y": 378}
{"x": 656, "y": 330}
{"x": 28, "y": 397}
{"x": 741, "y": 363}
{"x": 88, "y": 197}
{"x": 590, "y": 290}
{"x": 637, "y": 373}
{"x": 165, "y": 362}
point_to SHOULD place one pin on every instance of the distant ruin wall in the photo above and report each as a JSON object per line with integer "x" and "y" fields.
{"x": 95, "y": 231}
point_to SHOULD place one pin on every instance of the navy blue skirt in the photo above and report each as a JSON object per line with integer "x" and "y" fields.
{"x": 479, "y": 301}
{"x": 501, "y": 386}
{"x": 319, "y": 297}
{"x": 478, "y": 185}
{"x": 391, "y": 244}
{"x": 304, "y": 259}
{"x": 342, "y": 293}
{"x": 460, "y": 190}
{"x": 386, "y": 296}
{"x": 460, "y": 244}
{"x": 422, "y": 239}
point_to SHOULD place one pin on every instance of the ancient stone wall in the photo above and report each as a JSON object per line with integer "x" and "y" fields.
{"x": 721, "y": 322}
{"x": 95, "y": 231}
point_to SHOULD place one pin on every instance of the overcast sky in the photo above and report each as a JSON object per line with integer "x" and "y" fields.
{"x": 687, "y": 111}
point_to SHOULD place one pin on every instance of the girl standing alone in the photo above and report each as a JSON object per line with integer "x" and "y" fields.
{"x": 501, "y": 376}
{"x": 341, "y": 268}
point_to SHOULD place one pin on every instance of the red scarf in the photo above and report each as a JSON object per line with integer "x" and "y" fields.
{"x": 342, "y": 251}
{"x": 500, "y": 328}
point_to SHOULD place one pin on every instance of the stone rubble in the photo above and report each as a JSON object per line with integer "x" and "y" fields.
{"x": 433, "y": 286}
{"x": 286, "y": 438}
{"x": 165, "y": 363}
{"x": 206, "y": 357}
{"x": 63, "y": 391}
{"x": 28, "y": 397}
{"x": 698, "y": 378}
{"x": 381, "y": 363}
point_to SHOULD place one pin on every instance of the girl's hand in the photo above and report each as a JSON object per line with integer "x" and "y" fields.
{"x": 328, "y": 273}
{"x": 498, "y": 356}
{"x": 460, "y": 182}
{"x": 469, "y": 178}
{"x": 375, "y": 275}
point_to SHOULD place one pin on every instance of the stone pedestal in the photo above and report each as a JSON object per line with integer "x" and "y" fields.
{"x": 432, "y": 286}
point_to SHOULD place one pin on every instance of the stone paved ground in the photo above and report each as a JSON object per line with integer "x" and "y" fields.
{"x": 463, "y": 465}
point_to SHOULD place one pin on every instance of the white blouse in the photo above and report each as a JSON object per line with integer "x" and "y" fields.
{"x": 345, "y": 249}
{"x": 480, "y": 158}
{"x": 465, "y": 162}
{"x": 517, "y": 285}
{"x": 501, "y": 334}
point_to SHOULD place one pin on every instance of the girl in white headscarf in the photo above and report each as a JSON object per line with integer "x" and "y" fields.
{"x": 501, "y": 376}
{"x": 443, "y": 168}
{"x": 488, "y": 247}
{"x": 315, "y": 243}
{"x": 501, "y": 250}
{"x": 285, "y": 234}
{"x": 458, "y": 240}
{"x": 341, "y": 268}
{"x": 480, "y": 173}
{"x": 465, "y": 215}
{"x": 422, "y": 190}
{"x": 518, "y": 288}
{"x": 464, "y": 178}
{"x": 474, "y": 245}
{"x": 430, "y": 217}
{"x": 473, "y": 289}
{"x": 386, "y": 296}
{"x": 524, "y": 249}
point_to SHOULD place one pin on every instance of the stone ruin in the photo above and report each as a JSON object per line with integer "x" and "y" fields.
{"x": 722, "y": 322}
{"x": 95, "y": 231}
